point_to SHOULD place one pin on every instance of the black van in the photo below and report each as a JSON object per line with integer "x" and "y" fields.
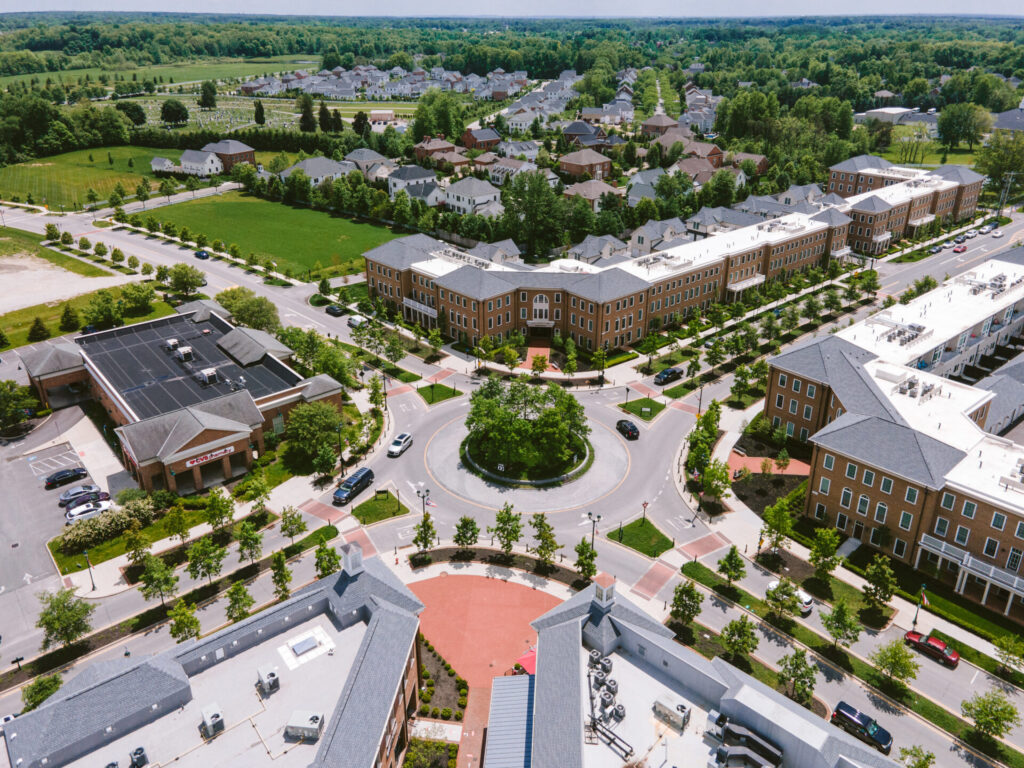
{"x": 353, "y": 485}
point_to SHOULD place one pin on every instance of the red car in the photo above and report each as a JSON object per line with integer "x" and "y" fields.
{"x": 932, "y": 646}
{"x": 960, "y": 249}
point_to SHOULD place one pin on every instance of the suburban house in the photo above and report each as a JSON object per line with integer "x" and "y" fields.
{"x": 760, "y": 161}
{"x": 365, "y": 158}
{"x": 603, "y": 250}
{"x": 592, "y": 191}
{"x": 195, "y": 162}
{"x": 406, "y": 175}
{"x": 527, "y": 149}
{"x": 507, "y": 167}
{"x": 480, "y": 138}
{"x": 1011, "y": 119}
{"x": 702, "y": 149}
{"x": 586, "y": 162}
{"x": 231, "y": 153}
{"x": 485, "y": 160}
{"x": 673, "y": 136}
{"x": 453, "y": 158}
{"x": 427, "y": 191}
{"x": 320, "y": 169}
{"x": 470, "y": 195}
{"x": 430, "y": 147}
{"x": 656, "y": 125}
{"x": 162, "y": 165}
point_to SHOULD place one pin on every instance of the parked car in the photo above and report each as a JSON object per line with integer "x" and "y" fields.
{"x": 948, "y": 244}
{"x": 970, "y": 234}
{"x": 85, "y": 511}
{"x": 355, "y": 321}
{"x": 73, "y": 493}
{"x": 997, "y": 233}
{"x": 932, "y": 646}
{"x": 668, "y": 375}
{"x": 628, "y": 429}
{"x": 6, "y": 719}
{"x": 335, "y": 310}
{"x": 986, "y": 229}
{"x": 202, "y": 255}
{"x": 806, "y": 603}
{"x": 65, "y": 476}
{"x": 87, "y": 498}
{"x": 960, "y": 249}
{"x": 960, "y": 239}
{"x": 935, "y": 249}
{"x": 862, "y": 726}
{"x": 353, "y": 485}
{"x": 400, "y": 444}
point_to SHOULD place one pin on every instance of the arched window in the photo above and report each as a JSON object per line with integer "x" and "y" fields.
{"x": 540, "y": 307}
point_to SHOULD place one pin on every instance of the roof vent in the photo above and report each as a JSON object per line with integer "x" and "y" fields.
{"x": 207, "y": 376}
{"x": 184, "y": 354}
{"x": 171, "y": 344}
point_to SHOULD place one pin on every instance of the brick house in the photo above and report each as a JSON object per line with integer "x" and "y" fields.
{"x": 585, "y": 162}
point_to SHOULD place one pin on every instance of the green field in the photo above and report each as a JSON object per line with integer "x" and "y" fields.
{"x": 63, "y": 180}
{"x": 295, "y": 238}
{"x": 14, "y": 242}
{"x": 959, "y": 156}
{"x": 642, "y": 536}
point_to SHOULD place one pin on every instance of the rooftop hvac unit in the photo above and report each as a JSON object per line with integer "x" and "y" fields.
{"x": 672, "y": 712}
{"x": 207, "y": 376}
{"x": 171, "y": 344}
{"x": 612, "y": 686}
{"x": 138, "y": 757}
{"x": 184, "y": 354}
{"x": 305, "y": 725}
{"x": 619, "y": 712}
{"x": 606, "y": 664}
{"x": 213, "y": 721}
{"x": 599, "y": 678}
{"x": 268, "y": 680}
{"x": 595, "y": 658}
{"x": 606, "y": 699}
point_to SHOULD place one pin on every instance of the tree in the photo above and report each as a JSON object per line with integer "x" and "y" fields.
{"x": 425, "y": 533}
{"x": 993, "y": 713}
{"x": 250, "y": 542}
{"x": 508, "y": 528}
{"x": 15, "y": 399}
{"x": 738, "y": 637}
{"x": 103, "y": 310}
{"x": 173, "y": 111}
{"x": 648, "y": 347}
{"x": 137, "y": 298}
{"x": 686, "y": 602}
{"x": 184, "y": 622}
{"x": 544, "y": 535}
{"x": 281, "y": 575}
{"x": 842, "y": 624}
{"x": 142, "y": 193}
{"x": 823, "y": 552}
{"x": 715, "y": 354}
{"x": 220, "y": 509}
{"x": 311, "y": 425}
{"x": 535, "y": 212}
{"x": 259, "y": 313}
{"x": 586, "y": 559}
{"x": 740, "y": 381}
{"x": 91, "y": 197}
{"x": 1009, "y": 651}
{"x": 510, "y": 357}
{"x": 307, "y": 120}
{"x": 191, "y": 184}
{"x": 38, "y": 330}
{"x": 133, "y": 261}
{"x": 467, "y": 532}
{"x": 158, "y": 579}
{"x": 176, "y": 523}
{"x": 916, "y": 757}
{"x": 798, "y": 675}
{"x": 64, "y": 618}
{"x": 207, "y": 95}
{"x": 777, "y": 525}
{"x": 239, "y": 601}
{"x": 1001, "y": 156}
{"x": 360, "y": 122}
{"x": 259, "y": 116}
{"x": 783, "y": 600}
{"x": 732, "y": 566}
{"x": 292, "y": 523}
{"x": 960, "y": 123}
{"x": 715, "y": 479}
{"x": 167, "y": 188}
{"x": 328, "y": 560}
{"x": 39, "y": 690}
{"x": 136, "y": 545}
{"x": 832, "y": 302}
{"x": 185, "y": 279}
{"x": 881, "y": 582}
{"x": 435, "y": 341}
{"x": 205, "y": 559}
{"x": 896, "y": 661}
{"x": 811, "y": 308}
{"x": 52, "y": 232}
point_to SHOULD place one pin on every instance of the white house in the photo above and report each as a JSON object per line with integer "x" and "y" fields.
{"x": 198, "y": 163}
{"x": 527, "y": 149}
{"x": 161, "y": 165}
{"x": 320, "y": 169}
{"x": 407, "y": 175}
{"x": 429, "y": 192}
{"x": 470, "y": 194}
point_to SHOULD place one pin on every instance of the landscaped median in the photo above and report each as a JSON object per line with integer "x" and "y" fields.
{"x": 644, "y": 408}
{"x": 436, "y": 393}
{"x": 853, "y": 665}
{"x": 643, "y": 536}
{"x": 383, "y": 506}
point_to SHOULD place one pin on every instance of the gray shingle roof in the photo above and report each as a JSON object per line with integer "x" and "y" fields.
{"x": 872, "y": 204}
{"x": 51, "y": 357}
{"x": 609, "y": 284}
{"x": 319, "y": 167}
{"x": 833, "y": 217}
{"x": 1010, "y": 120}
{"x": 195, "y": 156}
{"x": 200, "y": 309}
{"x": 227, "y": 147}
{"x": 860, "y": 163}
{"x": 411, "y": 173}
{"x": 249, "y": 345}
{"x": 475, "y": 282}
{"x": 486, "y": 134}
{"x": 472, "y": 187}
{"x": 958, "y": 173}
{"x": 558, "y": 706}
{"x": 403, "y": 252}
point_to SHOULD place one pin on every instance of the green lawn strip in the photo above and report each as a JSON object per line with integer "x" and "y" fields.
{"x": 357, "y": 292}
{"x": 618, "y": 359}
{"x": 674, "y": 358}
{"x": 913, "y": 256}
{"x": 14, "y": 242}
{"x": 643, "y": 536}
{"x": 744, "y": 401}
{"x": 436, "y": 393}
{"x": 314, "y": 539}
{"x": 268, "y": 230}
{"x": 853, "y": 665}
{"x": 16, "y": 324}
{"x": 979, "y": 659}
{"x": 384, "y": 366}
{"x": 680, "y": 390}
{"x": 636, "y": 407}
{"x": 383, "y": 506}
{"x": 942, "y": 599}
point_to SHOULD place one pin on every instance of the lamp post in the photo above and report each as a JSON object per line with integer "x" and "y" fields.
{"x": 594, "y": 520}
{"x": 424, "y": 494}
{"x": 644, "y": 505}
{"x": 917, "y": 610}
{"x": 89, "y": 566}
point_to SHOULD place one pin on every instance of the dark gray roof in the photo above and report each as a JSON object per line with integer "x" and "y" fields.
{"x": 485, "y": 134}
{"x": 861, "y": 162}
{"x": 411, "y": 173}
{"x": 833, "y": 217}
{"x": 403, "y": 252}
{"x": 317, "y": 167}
{"x": 364, "y": 157}
{"x": 227, "y": 147}
{"x": 594, "y": 246}
{"x": 1010, "y": 120}
{"x": 475, "y": 282}
{"x": 51, "y": 357}
{"x": 558, "y": 705}
{"x": 870, "y": 204}
{"x": 472, "y": 187}
{"x": 510, "y": 722}
{"x": 892, "y": 446}
{"x": 200, "y": 309}
{"x": 422, "y": 191}
{"x": 958, "y": 173}
{"x": 707, "y": 217}
{"x": 249, "y": 345}
{"x": 195, "y": 156}
{"x": 609, "y": 284}
{"x": 319, "y": 386}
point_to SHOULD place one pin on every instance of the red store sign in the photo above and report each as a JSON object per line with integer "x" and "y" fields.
{"x": 210, "y": 456}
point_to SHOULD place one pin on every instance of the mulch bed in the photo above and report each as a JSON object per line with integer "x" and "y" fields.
{"x": 556, "y": 572}
{"x": 748, "y": 445}
{"x": 786, "y": 564}
{"x": 760, "y": 491}
{"x": 446, "y": 691}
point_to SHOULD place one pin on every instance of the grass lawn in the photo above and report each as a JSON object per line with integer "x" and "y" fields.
{"x": 357, "y": 292}
{"x": 64, "y": 179}
{"x": 14, "y": 242}
{"x": 16, "y": 324}
{"x": 680, "y": 390}
{"x": 381, "y": 507}
{"x": 642, "y": 536}
{"x": 645, "y": 408}
{"x": 385, "y": 366}
{"x": 436, "y": 393}
{"x": 744, "y": 401}
{"x": 298, "y": 239}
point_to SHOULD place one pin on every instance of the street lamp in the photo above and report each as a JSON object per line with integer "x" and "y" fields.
{"x": 594, "y": 520}
{"x": 89, "y": 566}
{"x": 424, "y": 495}
{"x": 918, "y": 609}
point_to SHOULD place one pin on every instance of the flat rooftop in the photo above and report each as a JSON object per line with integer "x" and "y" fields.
{"x": 992, "y": 470}
{"x": 254, "y": 726}
{"x": 640, "y": 685}
{"x": 136, "y": 363}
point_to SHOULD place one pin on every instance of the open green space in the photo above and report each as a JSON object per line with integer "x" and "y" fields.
{"x": 16, "y": 242}
{"x": 384, "y": 366}
{"x": 959, "y": 156}
{"x": 16, "y": 324}
{"x": 436, "y": 393}
{"x": 643, "y": 536}
{"x": 382, "y": 506}
{"x": 298, "y": 240}
{"x": 63, "y": 180}
{"x": 644, "y": 408}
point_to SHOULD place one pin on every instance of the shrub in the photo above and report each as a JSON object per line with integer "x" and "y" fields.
{"x": 164, "y": 499}
{"x": 458, "y": 716}
{"x": 435, "y": 712}
{"x": 130, "y": 494}
{"x": 446, "y": 713}
{"x": 460, "y": 683}
{"x": 463, "y": 691}
{"x": 451, "y": 672}
{"x": 425, "y": 673}
{"x": 427, "y": 695}
{"x": 424, "y": 709}
{"x": 462, "y": 701}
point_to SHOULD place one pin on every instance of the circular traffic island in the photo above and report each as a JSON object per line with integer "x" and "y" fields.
{"x": 570, "y": 465}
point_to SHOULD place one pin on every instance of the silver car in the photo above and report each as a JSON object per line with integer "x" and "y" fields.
{"x": 73, "y": 493}
{"x": 85, "y": 511}
{"x": 400, "y": 444}
{"x": 806, "y": 603}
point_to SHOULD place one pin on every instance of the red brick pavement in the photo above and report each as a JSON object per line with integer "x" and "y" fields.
{"x": 440, "y": 376}
{"x": 652, "y": 581}
{"x": 704, "y": 545}
{"x": 532, "y": 352}
{"x": 480, "y": 626}
{"x": 686, "y": 407}
{"x": 401, "y": 389}
{"x": 359, "y": 537}
{"x": 323, "y": 511}
{"x": 643, "y": 389}
{"x": 753, "y": 463}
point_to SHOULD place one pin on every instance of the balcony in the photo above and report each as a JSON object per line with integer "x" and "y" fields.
{"x": 418, "y": 307}
{"x": 841, "y": 253}
{"x": 882, "y": 237}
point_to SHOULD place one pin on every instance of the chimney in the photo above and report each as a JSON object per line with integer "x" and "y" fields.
{"x": 604, "y": 593}
{"x": 351, "y": 559}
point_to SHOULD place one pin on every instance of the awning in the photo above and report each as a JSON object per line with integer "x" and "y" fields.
{"x": 743, "y": 285}
{"x": 528, "y": 661}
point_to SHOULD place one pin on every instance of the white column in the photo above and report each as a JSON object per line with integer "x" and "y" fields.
{"x": 1009, "y": 604}
{"x": 984, "y": 595}
{"x": 917, "y": 560}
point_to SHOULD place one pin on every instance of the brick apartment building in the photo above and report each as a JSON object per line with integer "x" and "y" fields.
{"x": 910, "y": 415}
{"x": 231, "y": 153}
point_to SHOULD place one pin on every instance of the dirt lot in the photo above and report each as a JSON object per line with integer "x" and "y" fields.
{"x": 28, "y": 281}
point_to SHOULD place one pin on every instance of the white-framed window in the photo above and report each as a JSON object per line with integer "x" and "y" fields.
{"x": 841, "y": 521}
{"x": 796, "y": 386}
{"x": 911, "y": 495}
{"x": 1013, "y": 559}
{"x": 846, "y": 498}
{"x": 948, "y": 500}
{"x": 824, "y": 485}
{"x": 899, "y": 548}
{"x": 851, "y": 471}
{"x": 876, "y": 537}
{"x": 830, "y": 461}
{"x": 906, "y": 520}
{"x": 998, "y": 521}
{"x": 780, "y": 400}
{"x": 881, "y": 510}
{"x": 807, "y": 413}
{"x": 970, "y": 508}
{"x": 963, "y": 535}
{"x": 792, "y": 406}
{"x": 1019, "y": 533}
{"x": 819, "y": 512}
{"x": 886, "y": 485}
{"x": 991, "y": 547}
{"x": 941, "y": 526}
{"x": 789, "y": 428}
{"x": 811, "y": 391}
{"x": 782, "y": 379}
{"x": 804, "y": 434}
{"x": 863, "y": 505}
{"x": 869, "y": 478}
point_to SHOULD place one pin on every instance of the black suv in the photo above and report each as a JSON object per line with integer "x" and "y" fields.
{"x": 335, "y": 310}
{"x": 628, "y": 429}
{"x": 352, "y": 485}
{"x": 668, "y": 375}
{"x": 65, "y": 476}
{"x": 862, "y": 726}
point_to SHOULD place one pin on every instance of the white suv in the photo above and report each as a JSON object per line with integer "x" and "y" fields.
{"x": 806, "y": 603}
{"x": 400, "y": 444}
